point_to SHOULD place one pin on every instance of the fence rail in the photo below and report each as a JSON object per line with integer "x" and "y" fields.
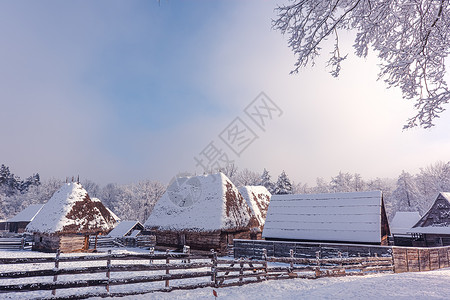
{"x": 188, "y": 271}
{"x": 12, "y": 243}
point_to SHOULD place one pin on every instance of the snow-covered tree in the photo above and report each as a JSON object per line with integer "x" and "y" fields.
{"x": 343, "y": 182}
{"x": 410, "y": 37}
{"x": 321, "y": 186}
{"x": 266, "y": 181}
{"x": 300, "y": 188}
{"x": 283, "y": 185}
{"x": 406, "y": 194}
{"x": 246, "y": 177}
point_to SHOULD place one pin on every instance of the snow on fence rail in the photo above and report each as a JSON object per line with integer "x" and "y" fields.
{"x": 172, "y": 271}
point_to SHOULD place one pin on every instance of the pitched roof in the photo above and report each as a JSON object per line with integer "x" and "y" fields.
{"x": 70, "y": 210}
{"x": 437, "y": 219}
{"x": 28, "y": 214}
{"x": 257, "y": 198}
{"x": 403, "y": 221}
{"x": 201, "y": 203}
{"x": 124, "y": 227}
{"x": 347, "y": 217}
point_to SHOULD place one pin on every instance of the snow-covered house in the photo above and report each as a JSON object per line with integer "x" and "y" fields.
{"x": 67, "y": 219}
{"x": 18, "y": 223}
{"x": 358, "y": 217}
{"x": 433, "y": 229}
{"x": 257, "y": 198}
{"x": 126, "y": 229}
{"x": 403, "y": 221}
{"x": 203, "y": 212}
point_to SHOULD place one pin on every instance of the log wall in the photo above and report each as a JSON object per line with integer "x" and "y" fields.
{"x": 420, "y": 259}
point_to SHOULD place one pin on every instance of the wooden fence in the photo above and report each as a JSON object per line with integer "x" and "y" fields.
{"x": 12, "y": 243}
{"x": 173, "y": 271}
{"x": 407, "y": 259}
{"x": 254, "y": 249}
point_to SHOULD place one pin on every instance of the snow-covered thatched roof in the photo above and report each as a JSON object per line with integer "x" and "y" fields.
{"x": 201, "y": 203}
{"x": 346, "y": 217}
{"x": 257, "y": 198}
{"x": 403, "y": 221}
{"x": 70, "y": 210}
{"x": 437, "y": 219}
{"x": 28, "y": 214}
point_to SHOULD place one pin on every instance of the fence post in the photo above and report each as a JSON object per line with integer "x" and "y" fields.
{"x": 22, "y": 243}
{"x": 187, "y": 250}
{"x": 264, "y": 256}
{"x": 317, "y": 271}
{"x": 167, "y": 268}
{"x": 108, "y": 272}
{"x": 214, "y": 268}
{"x": 55, "y": 277}
{"x": 241, "y": 271}
{"x": 151, "y": 252}
{"x": 291, "y": 265}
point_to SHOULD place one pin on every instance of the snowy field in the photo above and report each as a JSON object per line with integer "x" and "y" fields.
{"x": 424, "y": 285}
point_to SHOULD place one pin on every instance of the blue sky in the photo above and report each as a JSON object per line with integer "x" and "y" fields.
{"x": 119, "y": 91}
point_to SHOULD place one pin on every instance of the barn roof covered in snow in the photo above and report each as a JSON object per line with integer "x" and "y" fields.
{"x": 201, "y": 203}
{"x": 437, "y": 218}
{"x": 257, "y": 198}
{"x": 339, "y": 217}
{"x": 28, "y": 214}
{"x": 403, "y": 221}
{"x": 70, "y": 210}
{"x": 124, "y": 228}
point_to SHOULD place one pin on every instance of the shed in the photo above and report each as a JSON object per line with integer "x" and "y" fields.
{"x": 126, "y": 228}
{"x": 18, "y": 223}
{"x": 67, "y": 219}
{"x": 257, "y": 198}
{"x": 204, "y": 212}
{"x": 433, "y": 229}
{"x": 358, "y": 217}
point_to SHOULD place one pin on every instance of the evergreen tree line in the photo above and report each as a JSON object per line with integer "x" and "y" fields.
{"x": 409, "y": 192}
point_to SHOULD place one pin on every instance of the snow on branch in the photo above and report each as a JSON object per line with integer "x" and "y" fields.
{"x": 412, "y": 39}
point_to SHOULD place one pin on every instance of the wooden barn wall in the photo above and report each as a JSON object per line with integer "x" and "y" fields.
{"x": 217, "y": 240}
{"x": 53, "y": 242}
{"x": 420, "y": 259}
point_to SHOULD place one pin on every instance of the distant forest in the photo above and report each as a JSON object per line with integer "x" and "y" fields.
{"x": 408, "y": 192}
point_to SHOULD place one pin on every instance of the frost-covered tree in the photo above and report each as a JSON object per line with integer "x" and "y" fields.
{"x": 321, "y": 186}
{"x": 246, "y": 177}
{"x": 406, "y": 194}
{"x": 411, "y": 38}
{"x": 300, "y": 188}
{"x": 343, "y": 182}
{"x": 266, "y": 181}
{"x": 283, "y": 185}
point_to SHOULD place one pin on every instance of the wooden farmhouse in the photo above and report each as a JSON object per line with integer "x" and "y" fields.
{"x": 357, "y": 217}
{"x": 257, "y": 198}
{"x": 67, "y": 219}
{"x": 203, "y": 212}
{"x": 433, "y": 229}
{"x": 401, "y": 225}
{"x": 18, "y": 223}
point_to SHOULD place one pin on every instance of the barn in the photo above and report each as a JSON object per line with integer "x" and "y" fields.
{"x": 204, "y": 212}
{"x": 433, "y": 229}
{"x": 358, "y": 217}
{"x": 401, "y": 224}
{"x": 257, "y": 198}
{"x": 67, "y": 219}
{"x": 18, "y": 223}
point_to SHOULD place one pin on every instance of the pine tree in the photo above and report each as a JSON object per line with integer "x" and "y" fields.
{"x": 266, "y": 182}
{"x": 283, "y": 185}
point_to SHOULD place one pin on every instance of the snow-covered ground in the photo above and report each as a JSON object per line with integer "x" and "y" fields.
{"x": 424, "y": 285}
